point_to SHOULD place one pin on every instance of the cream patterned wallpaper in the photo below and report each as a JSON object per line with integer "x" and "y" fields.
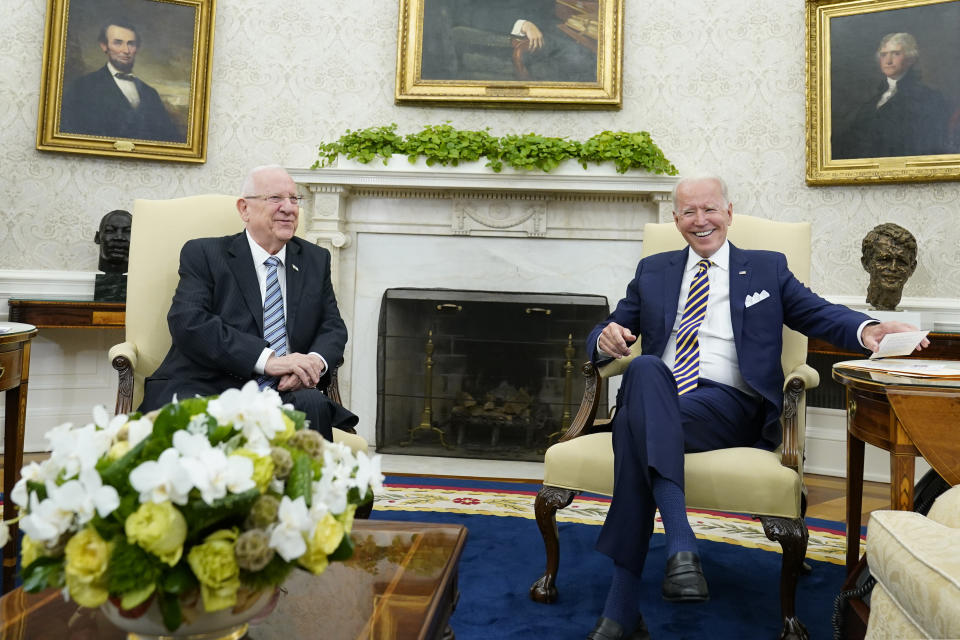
{"x": 720, "y": 85}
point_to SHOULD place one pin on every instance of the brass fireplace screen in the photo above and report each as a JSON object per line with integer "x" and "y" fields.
{"x": 480, "y": 374}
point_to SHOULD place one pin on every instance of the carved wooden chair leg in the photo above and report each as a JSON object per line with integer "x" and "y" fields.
{"x": 549, "y": 500}
{"x": 792, "y": 535}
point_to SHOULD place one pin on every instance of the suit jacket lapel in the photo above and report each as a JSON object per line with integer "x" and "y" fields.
{"x": 240, "y": 261}
{"x": 294, "y": 283}
{"x": 740, "y": 275}
{"x": 672, "y": 278}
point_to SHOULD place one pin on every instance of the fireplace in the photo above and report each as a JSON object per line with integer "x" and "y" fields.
{"x": 479, "y": 374}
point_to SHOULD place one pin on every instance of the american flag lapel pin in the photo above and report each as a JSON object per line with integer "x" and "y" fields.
{"x": 743, "y": 273}
{"x": 295, "y": 267}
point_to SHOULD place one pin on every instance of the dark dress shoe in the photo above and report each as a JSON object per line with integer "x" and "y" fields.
{"x": 608, "y": 629}
{"x": 684, "y": 581}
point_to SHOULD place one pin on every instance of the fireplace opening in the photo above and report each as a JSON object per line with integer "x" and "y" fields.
{"x": 480, "y": 374}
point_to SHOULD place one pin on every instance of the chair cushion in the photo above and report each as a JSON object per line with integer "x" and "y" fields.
{"x": 887, "y": 621}
{"x": 714, "y": 479}
{"x": 946, "y": 508}
{"x": 916, "y": 561}
{"x": 352, "y": 440}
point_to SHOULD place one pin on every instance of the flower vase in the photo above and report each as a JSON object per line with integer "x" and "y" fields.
{"x": 226, "y": 624}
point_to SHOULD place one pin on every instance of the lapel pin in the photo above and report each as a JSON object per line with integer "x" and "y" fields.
{"x": 743, "y": 273}
{"x": 294, "y": 267}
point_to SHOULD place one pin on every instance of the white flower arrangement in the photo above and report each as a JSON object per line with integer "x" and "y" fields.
{"x": 215, "y": 495}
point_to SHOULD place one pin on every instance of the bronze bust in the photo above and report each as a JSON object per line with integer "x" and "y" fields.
{"x": 113, "y": 236}
{"x": 890, "y": 257}
{"x": 114, "y": 240}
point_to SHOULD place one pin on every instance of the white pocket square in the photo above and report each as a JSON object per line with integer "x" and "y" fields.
{"x": 754, "y": 298}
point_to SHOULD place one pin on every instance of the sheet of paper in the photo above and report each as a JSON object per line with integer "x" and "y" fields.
{"x": 4, "y": 329}
{"x": 899, "y": 344}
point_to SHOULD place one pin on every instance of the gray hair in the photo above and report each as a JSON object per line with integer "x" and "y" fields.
{"x": 906, "y": 41}
{"x": 700, "y": 178}
{"x": 249, "y": 182}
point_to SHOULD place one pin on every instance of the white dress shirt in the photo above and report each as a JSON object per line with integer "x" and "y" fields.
{"x": 891, "y": 89}
{"x": 718, "y": 351}
{"x": 128, "y": 87}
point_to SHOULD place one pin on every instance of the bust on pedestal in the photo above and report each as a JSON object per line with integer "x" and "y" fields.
{"x": 889, "y": 255}
{"x": 114, "y": 240}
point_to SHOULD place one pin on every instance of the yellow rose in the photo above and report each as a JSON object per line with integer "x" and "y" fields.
{"x": 30, "y": 550}
{"x": 262, "y": 467}
{"x": 159, "y": 529}
{"x": 118, "y": 450}
{"x": 215, "y": 566}
{"x": 347, "y": 517}
{"x": 325, "y": 539}
{"x": 289, "y": 429}
{"x": 85, "y": 567}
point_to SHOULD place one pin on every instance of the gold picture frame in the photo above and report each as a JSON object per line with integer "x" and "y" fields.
{"x": 163, "y": 51}
{"x": 863, "y": 128}
{"x": 455, "y": 53}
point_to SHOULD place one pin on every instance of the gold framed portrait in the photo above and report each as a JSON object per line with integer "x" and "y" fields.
{"x": 127, "y": 78}
{"x": 883, "y": 93}
{"x": 510, "y": 53}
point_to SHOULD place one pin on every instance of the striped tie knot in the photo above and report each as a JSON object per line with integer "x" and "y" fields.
{"x": 686, "y": 364}
{"x": 274, "y": 322}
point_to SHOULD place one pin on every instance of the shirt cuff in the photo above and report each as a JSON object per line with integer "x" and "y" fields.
{"x": 322, "y": 359}
{"x": 517, "y": 26}
{"x": 261, "y": 364}
{"x": 860, "y": 330}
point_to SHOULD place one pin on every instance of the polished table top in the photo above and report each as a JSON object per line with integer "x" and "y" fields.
{"x": 853, "y": 371}
{"x": 392, "y": 587}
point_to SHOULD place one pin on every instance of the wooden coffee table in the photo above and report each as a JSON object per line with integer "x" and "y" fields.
{"x": 400, "y": 583}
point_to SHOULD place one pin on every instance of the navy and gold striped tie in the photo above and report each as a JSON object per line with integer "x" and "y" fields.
{"x": 686, "y": 365}
{"x": 274, "y": 323}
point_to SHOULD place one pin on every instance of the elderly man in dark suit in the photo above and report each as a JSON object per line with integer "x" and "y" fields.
{"x": 258, "y": 305}
{"x": 114, "y": 103}
{"x": 709, "y": 377}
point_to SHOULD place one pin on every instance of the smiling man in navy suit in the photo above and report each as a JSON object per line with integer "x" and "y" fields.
{"x": 257, "y": 305}
{"x": 709, "y": 377}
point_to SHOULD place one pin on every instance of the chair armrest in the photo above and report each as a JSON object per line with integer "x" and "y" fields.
{"x": 794, "y": 418}
{"x": 124, "y": 358}
{"x": 585, "y": 420}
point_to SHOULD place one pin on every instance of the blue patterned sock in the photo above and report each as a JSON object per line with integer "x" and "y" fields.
{"x": 622, "y": 600}
{"x": 673, "y": 512}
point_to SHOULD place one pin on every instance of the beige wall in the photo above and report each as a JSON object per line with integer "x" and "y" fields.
{"x": 720, "y": 85}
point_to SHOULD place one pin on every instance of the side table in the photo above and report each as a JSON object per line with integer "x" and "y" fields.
{"x": 906, "y": 416}
{"x": 14, "y": 374}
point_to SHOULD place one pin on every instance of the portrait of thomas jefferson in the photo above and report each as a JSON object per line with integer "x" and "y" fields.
{"x": 901, "y": 116}
{"x": 114, "y": 101}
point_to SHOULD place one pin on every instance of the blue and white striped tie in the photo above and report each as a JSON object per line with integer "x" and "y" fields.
{"x": 686, "y": 365}
{"x": 274, "y": 322}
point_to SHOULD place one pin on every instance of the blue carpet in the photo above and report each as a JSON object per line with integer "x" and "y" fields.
{"x": 504, "y": 555}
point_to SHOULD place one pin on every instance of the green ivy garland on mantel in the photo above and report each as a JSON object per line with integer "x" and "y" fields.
{"x": 446, "y": 145}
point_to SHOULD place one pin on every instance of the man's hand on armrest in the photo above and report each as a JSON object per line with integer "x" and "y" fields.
{"x": 295, "y": 370}
{"x": 872, "y": 334}
{"x": 615, "y": 341}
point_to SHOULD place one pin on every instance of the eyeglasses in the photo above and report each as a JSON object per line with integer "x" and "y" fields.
{"x": 294, "y": 200}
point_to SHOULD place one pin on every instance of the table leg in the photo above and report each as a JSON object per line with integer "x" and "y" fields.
{"x": 14, "y": 419}
{"x": 902, "y": 469}
{"x": 854, "y": 498}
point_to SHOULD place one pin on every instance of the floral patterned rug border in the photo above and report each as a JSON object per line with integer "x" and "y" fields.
{"x": 825, "y": 544}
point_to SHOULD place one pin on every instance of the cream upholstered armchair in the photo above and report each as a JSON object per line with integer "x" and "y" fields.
{"x": 741, "y": 480}
{"x": 916, "y": 562}
{"x": 160, "y": 229}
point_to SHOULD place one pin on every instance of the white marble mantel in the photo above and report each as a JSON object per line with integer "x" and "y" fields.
{"x": 469, "y": 228}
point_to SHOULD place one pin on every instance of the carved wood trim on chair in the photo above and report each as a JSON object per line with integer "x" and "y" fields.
{"x": 792, "y": 535}
{"x": 549, "y": 500}
{"x": 124, "y": 384}
{"x": 790, "y": 422}
{"x": 583, "y": 422}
